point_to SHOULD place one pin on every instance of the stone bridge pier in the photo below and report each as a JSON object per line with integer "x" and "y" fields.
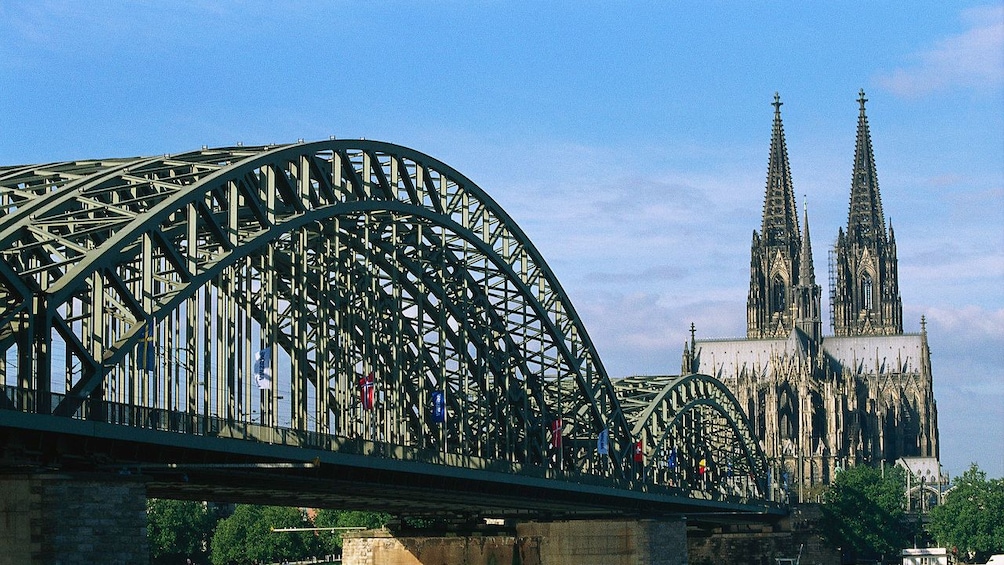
{"x": 56, "y": 519}
{"x": 576, "y": 542}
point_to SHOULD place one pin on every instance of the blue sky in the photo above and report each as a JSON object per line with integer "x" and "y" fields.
{"x": 628, "y": 139}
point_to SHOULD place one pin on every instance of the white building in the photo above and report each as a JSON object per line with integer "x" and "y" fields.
{"x": 928, "y": 556}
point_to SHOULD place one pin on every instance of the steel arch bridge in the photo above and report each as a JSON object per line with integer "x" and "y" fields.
{"x": 352, "y": 290}
{"x": 697, "y": 435}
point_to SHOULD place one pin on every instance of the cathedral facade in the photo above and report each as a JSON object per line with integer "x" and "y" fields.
{"x": 862, "y": 395}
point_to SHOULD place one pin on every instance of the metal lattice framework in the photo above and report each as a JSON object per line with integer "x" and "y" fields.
{"x": 352, "y": 258}
{"x": 694, "y": 434}
{"x": 136, "y": 287}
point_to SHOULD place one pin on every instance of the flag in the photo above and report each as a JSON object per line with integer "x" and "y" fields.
{"x": 147, "y": 350}
{"x": 702, "y": 466}
{"x": 639, "y": 452}
{"x": 366, "y": 391}
{"x": 438, "y": 407}
{"x": 263, "y": 368}
{"x": 603, "y": 442}
{"x": 556, "y": 433}
{"x": 671, "y": 462}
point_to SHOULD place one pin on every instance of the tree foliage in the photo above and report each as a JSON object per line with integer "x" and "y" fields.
{"x": 178, "y": 529}
{"x": 863, "y": 512}
{"x": 331, "y": 542}
{"x": 247, "y": 536}
{"x": 971, "y": 518}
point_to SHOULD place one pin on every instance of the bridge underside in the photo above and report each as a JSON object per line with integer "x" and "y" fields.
{"x": 355, "y": 476}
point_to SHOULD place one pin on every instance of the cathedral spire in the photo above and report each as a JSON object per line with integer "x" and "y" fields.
{"x": 780, "y": 217}
{"x": 774, "y": 253}
{"x": 807, "y": 274}
{"x": 807, "y": 292}
{"x": 864, "y": 217}
{"x": 865, "y": 294}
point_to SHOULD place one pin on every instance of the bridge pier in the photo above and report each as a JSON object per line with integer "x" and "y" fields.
{"x": 577, "y": 542}
{"x": 56, "y": 519}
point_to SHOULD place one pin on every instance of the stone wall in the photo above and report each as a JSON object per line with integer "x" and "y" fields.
{"x": 603, "y": 542}
{"x": 799, "y": 534}
{"x": 379, "y": 547}
{"x": 58, "y": 520}
{"x": 579, "y": 542}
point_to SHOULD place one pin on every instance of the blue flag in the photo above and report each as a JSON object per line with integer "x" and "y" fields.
{"x": 603, "y": 442}
{"x": 438, "y": 407}
{"x": 263, "y": 368}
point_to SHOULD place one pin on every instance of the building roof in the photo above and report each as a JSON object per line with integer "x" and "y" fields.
{"x": 729, "y": 358}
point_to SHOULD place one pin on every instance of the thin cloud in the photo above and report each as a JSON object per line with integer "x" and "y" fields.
{"x": 972, "y": 59}
{"x": 656, "y": 273}
{"x": 971, "y": 322}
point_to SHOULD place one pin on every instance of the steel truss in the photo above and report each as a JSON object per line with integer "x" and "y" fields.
{"x": 694, "y": 434}
{"x": 153, "y": 284}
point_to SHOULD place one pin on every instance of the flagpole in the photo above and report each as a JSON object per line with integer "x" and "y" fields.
{"x": 442, "y": 429}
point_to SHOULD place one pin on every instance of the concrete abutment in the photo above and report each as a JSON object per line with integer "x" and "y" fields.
{"x": 575, "y": 542}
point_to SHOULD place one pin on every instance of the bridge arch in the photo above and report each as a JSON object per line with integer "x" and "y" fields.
{"x": 378, "y": 286}
{"x": 694, "y": 435}
{"x": 348, "y": 258}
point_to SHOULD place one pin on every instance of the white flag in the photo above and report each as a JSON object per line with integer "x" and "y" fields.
{"x": 603, "y": 442}
{"x": 263, "y": 368}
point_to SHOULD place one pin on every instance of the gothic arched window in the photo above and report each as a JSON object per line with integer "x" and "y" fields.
{"x": 866, "y": 291}
{"x": 787, "y": 414}
{"x": 777, "y": 294}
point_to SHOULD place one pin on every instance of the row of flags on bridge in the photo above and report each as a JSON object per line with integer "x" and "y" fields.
{"x": 367, "y": 400}
{"x": 638, "y": 450}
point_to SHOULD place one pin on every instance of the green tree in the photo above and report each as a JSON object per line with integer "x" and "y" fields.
{"x": 331, "y": 542}
{"x": 863, "y": 512}
{"x": 177, "y": 530}
{"x": 971, "y": 518}
{"x": 247, "y": 536}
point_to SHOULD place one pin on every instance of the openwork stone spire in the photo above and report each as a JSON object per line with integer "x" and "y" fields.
{"x": 774, "y": 254}
{"x": 807, "y": 275}
{"x": 864, "y": 217}
{"x": 807, "y": 292}
{"x": 865, "y": 295}
{"x": 780, "y": 217}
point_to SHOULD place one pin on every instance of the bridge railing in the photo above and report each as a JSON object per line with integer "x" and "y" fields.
{"x": 114, "y": 413}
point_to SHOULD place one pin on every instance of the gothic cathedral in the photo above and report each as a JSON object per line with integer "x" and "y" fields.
{"x": 820, "y": 403}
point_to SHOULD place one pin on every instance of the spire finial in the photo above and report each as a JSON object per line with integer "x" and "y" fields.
{"x": 777, "y": 103}
{"x": 862, "y": 99}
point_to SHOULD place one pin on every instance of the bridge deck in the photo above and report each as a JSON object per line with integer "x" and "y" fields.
{"x": 192, "y": 457}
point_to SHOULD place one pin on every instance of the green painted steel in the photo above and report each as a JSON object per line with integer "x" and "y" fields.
{"x": 368, "y": 279}
{"x": 695, "y": 435}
